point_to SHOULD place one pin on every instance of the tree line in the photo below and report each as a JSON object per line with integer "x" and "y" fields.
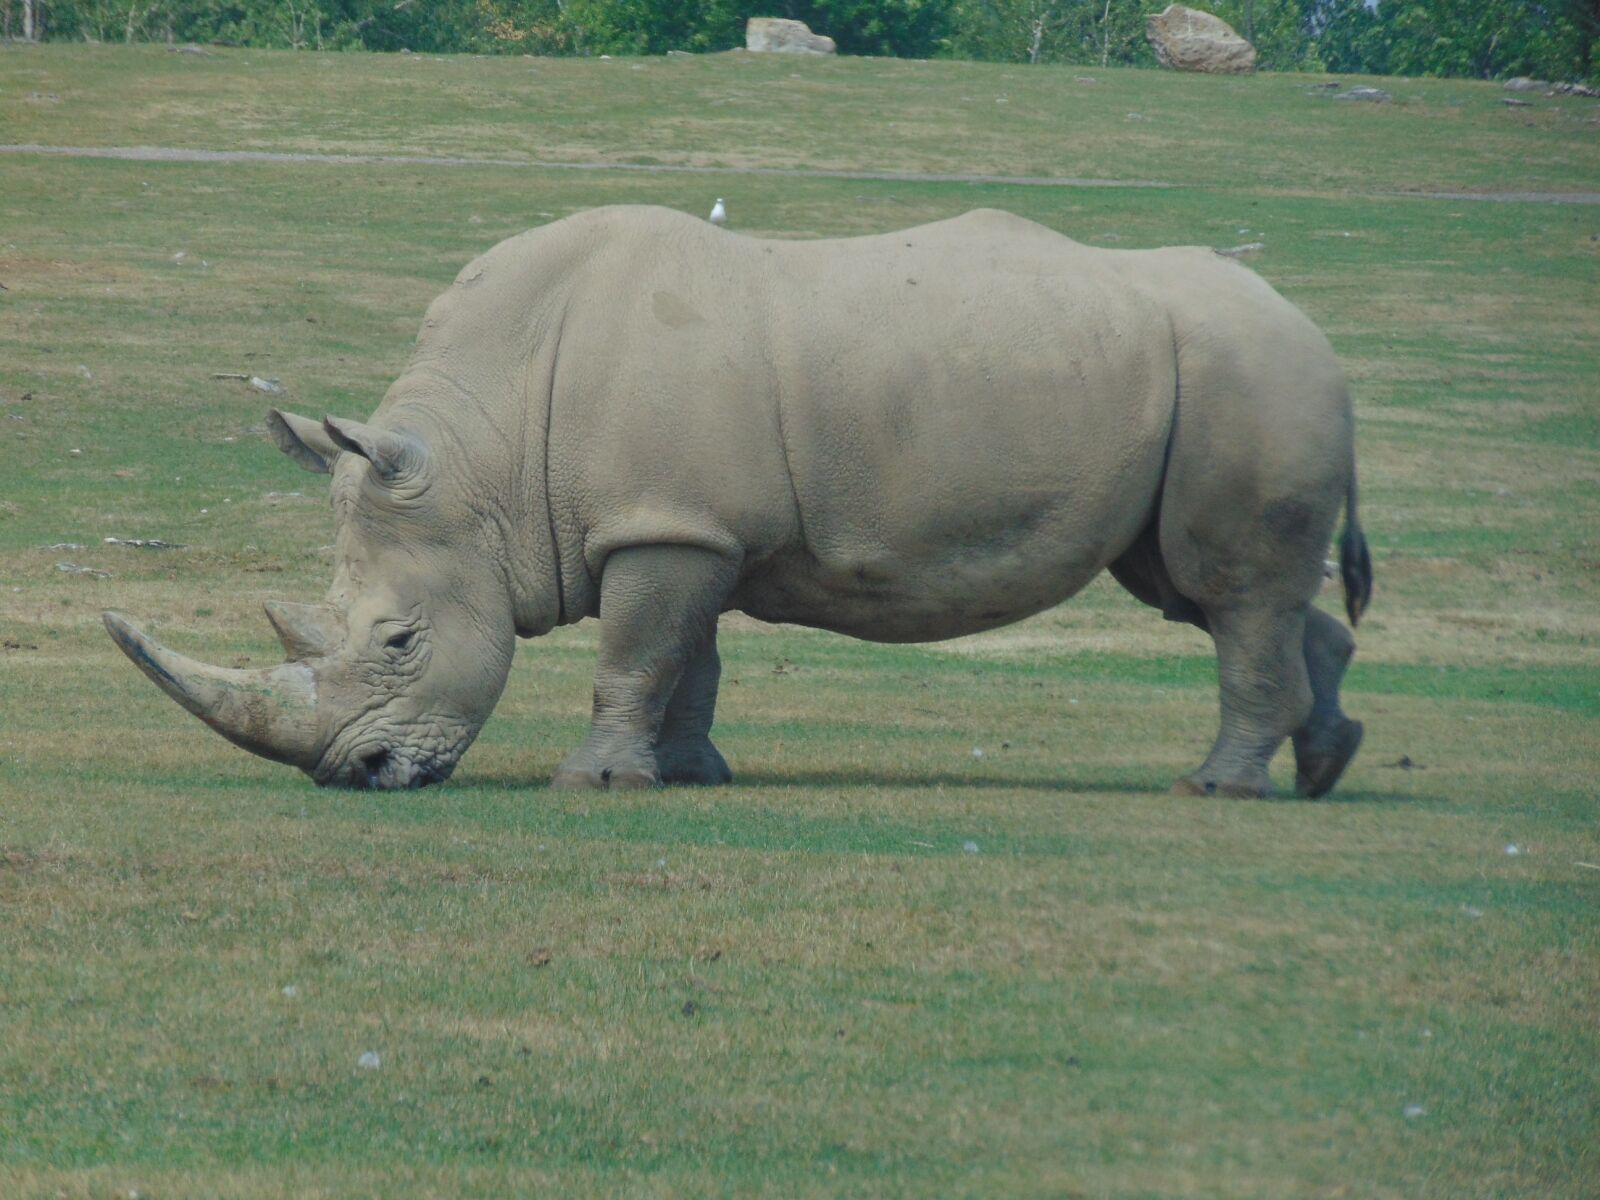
{"x": 1484, "y": 39}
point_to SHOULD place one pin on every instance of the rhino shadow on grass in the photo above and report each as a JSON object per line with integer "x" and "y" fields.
{"x": 933, "y": 781}
{"x": 635, "y": 415}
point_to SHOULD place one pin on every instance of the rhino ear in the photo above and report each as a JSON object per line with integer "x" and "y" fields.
{"x": 302, "y": 440}
{"x": 393, "y": 455}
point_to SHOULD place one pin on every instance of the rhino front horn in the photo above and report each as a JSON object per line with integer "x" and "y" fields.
{"x": 268, "y": 712}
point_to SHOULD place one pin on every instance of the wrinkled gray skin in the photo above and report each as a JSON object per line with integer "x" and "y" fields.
{"x": 635, "y": 415}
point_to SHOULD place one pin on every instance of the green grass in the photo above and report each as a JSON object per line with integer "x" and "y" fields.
{"x": 803, "y": 985}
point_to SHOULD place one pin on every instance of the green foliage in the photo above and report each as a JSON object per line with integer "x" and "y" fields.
{"x": 1351, "y": 39}
{"x": 1479, "y": 38}
{"x": 908, "y": 28}
{"x": 1065, "y": 31}
{"x": 1483, "y": 39}
{"x": 1551, "y": 39}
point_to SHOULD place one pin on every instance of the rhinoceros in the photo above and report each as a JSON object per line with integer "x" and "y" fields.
{"x": 634, "y": 415}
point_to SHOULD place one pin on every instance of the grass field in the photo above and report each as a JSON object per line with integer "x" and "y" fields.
{"x": 878, "y": 965}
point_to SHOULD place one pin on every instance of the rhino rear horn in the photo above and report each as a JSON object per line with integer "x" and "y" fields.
{"x": 268, "y": 712}
{"x": 306, "y": 630}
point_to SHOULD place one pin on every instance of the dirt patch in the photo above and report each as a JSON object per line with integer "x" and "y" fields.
{"x": 175, "y": 154}
{"x": 17, "y": 860}
{"x": 664, "y": 881}
{"x": 170, "y": 154}
{"x": 1506, "y": 197}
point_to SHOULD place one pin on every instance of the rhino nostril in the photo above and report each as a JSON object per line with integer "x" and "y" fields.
{"x": 374, "y": 764}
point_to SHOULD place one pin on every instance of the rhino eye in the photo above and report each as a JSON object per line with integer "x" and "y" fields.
{"x": 401, "y": 640}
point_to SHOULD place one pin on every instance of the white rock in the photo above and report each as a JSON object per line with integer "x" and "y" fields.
{"x": 969, "y": 848}
{"x": 774, "y": 35}
{"x": 369, "y": 1061}
{"x": 1187, "y": 39}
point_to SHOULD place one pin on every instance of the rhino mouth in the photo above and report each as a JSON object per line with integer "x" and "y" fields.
{"x": 374, "y": 765}
{"x": 383, "y": 769}
{"x": 387, "y": 764}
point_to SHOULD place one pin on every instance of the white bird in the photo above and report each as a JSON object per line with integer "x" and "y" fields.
{"x": 719, "y": 214}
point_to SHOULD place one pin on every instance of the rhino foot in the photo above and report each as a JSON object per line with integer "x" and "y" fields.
{"x": 1320, "y": 760}
{"x": 586, "y": 770}
{"x": 693, "y": 761}
{"x": 1254, "y": 786}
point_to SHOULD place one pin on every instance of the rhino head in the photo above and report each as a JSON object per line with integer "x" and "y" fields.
{"x": 387, "y": 682}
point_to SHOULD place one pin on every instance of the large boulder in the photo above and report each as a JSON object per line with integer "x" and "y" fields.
{"x": 774, "y": 35}
{"x": 1187, "y": 39}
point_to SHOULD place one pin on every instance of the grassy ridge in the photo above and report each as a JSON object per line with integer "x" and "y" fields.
{"x": 1278, "y": 131}
{"x": 805, "y": 985}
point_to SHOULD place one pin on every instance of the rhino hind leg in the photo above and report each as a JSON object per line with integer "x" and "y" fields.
{"x": 1279, "y": 665}
{"x": 1266, "y": 695}
{"x": 1326, "y": 743}
{"x": 684, "y": 753}
{"x": 658, "y": 613}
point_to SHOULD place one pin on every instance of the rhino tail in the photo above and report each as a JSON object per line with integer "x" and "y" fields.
{"x": 1355, "y": 561}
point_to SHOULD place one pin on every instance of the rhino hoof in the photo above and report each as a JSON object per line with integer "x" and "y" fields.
{"x": 630, "y": 779}
{"x": 585, "y": 777}
{"x": 1233, "y": 789}
{"x": 698, "y": 764}
{"x": 1319, "y": 766}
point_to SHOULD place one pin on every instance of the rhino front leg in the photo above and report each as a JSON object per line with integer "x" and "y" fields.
{"x": 658, "y": 614}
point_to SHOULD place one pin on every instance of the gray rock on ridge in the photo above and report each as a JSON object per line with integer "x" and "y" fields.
{"x": 1523, "y": 84}
{"x": 1371, "y": 95}
{"x": 776, "y": 35}
{"x": 1187, "y": 39}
